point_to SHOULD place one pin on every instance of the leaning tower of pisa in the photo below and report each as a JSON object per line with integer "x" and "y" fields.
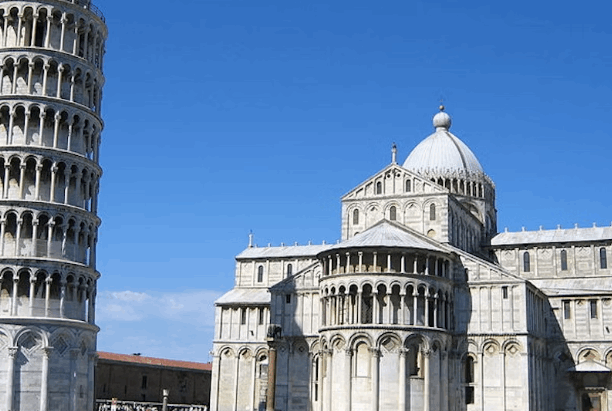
{"x": 51, "y": 54}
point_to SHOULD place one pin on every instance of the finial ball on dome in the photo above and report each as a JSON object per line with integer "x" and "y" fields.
{"x": 442, "y": 120}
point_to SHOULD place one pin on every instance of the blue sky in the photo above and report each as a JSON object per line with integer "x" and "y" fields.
{"x": 225, "y": 116}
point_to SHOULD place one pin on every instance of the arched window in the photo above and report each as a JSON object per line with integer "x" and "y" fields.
{"x": 469, "y": 370}
{"x": 355, "y": 217}
{"x": 563, "y": 260}
{"x": 392, "y": 213}
{"x": 379, "y": 188}
{"x": 432, "y": 212}
{"x": 408, "y": 186}
{"x": 468, "y": 379}
{"x": 603, "y": 258}
{"x": 260, "y": 272}
{"x": 526, "y": 262}
{"x": 289, "y": 270}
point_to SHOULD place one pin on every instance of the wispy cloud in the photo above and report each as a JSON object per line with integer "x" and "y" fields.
{"x": 174, "y": 324}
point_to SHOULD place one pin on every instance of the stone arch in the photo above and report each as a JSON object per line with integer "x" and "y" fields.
{"x": 511, "y": 345}
{"x": 337, "y": 342}
{"x": 588, "y": 354}
{"x": 23, "y": 334}
{"x": 415, "y": 345}
{"x": 389, "y": 341}
{"x": 62, "y": 340}
{"x": 360, "y": 337}
{"x": 490, "y": 346}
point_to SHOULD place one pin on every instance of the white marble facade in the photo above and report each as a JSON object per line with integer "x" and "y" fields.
{"x": 422, "y": 305}
{"x": 50, "y": 93}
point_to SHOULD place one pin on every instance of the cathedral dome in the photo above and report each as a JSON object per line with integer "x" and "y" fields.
{"x": 442, "y": 154}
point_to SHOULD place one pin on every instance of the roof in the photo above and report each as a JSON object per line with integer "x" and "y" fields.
{"x": 387, "y": 234}
{"x": 589, "y": 366}
{"x": 443, "y": 153}
{"x": 553, "y": 236}
{"x": 156, "y": 362}
{"x": 574, "y": 286}
{"x": 245, "y": 296}
{"x": 283, "y": 252}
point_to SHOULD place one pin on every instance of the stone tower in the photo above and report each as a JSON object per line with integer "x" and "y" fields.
{"x": 51, "y": 81}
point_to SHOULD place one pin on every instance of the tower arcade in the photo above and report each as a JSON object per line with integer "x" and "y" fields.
{"x": 51, "y": 56}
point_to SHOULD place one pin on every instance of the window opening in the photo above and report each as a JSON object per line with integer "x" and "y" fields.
{"x": 563, "y": 260}
{"x": 593, "y": 304}
{"x": 432, "y": 212}
{"x": 567, "y": 311}
{"x": 243, "y": 314}
{"x": 603, "y": 258}
{"x": 288, "y": 299}
{"x": 355, "y": 217}
{"x": 143, "y": 383}
{"x": 468, "y": 379}
{"x": 289, "y": 269}
{"x": 408, "y": 186}
{"x": 505, "y": 292}
{"x": 379, "y": 188}
{"x": 261, "y": 316}
{"x": 526, "y": 262}
{"x": 392, "y": 213}
{"x": 316, "y": 379}
{"x": 260, "y": 273}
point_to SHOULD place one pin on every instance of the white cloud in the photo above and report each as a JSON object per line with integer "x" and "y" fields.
{"x": 176, "y": 324}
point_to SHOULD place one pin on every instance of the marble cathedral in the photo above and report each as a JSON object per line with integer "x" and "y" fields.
{"x": 422, "y": 305}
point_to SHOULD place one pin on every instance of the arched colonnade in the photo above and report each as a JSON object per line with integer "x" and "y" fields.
{"x": 51, "y": 294}
{"x": 50, "y": 27}
{"x": 29, "y": 234}
{"x": 36, "y": 178}
{"x": 352, "y": 261}
{"x": 44, "y": 76}
{"x": 392, "y": 302}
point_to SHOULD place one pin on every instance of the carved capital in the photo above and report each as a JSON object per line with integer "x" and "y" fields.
{"x": 12, "y": 352}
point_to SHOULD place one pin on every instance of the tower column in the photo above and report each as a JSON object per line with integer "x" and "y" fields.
{"x": 375, "y": 354}
{"x": 48, "y": 282}
{"x": 329, "y": 376}
{"x": 401, "y": 389}
{"x": 10, "y": 377}
{"x": 32, "y": 291}
{"x": 44, "y": 381}
{"x": 347, "y": 378}
{"x": 427, "y": 380}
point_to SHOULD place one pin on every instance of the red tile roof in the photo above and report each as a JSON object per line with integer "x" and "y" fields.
{"x": 159, "y": 362}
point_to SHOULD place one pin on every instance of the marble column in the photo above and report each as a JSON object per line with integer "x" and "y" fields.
{"x": 329, "y": 376}
{"x": 375, "y": 354}
{"x": 10, "y": 376}
{"x": 44, "y": 382}
{"x": 402, "y": 380}
{"x": 347, "y": 378}
{"x": 427, "y": 379}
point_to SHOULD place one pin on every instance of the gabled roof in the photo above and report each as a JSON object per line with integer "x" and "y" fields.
{"x": 310, "y": 250}
{"x": 502, "y": 272}
{"x": 396, "y": 168}
{"x": 575, "y": 286}
{"x": 388, "y": 234}
{"x": 589, "y": 366}
{"x": 154, "y": 362}
{"x": 553, "y": 236}
{"x": 245, "y": 296}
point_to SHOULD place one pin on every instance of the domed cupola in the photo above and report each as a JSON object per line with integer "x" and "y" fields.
{"x": 445, "y": 159}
